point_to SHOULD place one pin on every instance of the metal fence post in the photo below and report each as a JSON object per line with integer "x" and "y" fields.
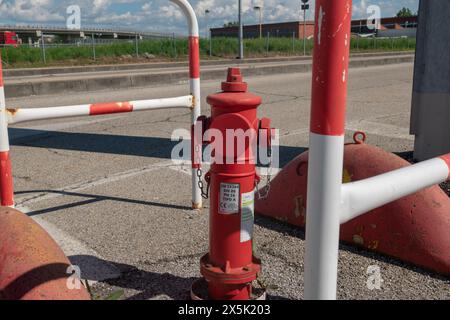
{"x": 267, "y": 42}
{"x": 174, "y": 46}
{"x": 93, "y": 47}
{"x": 44, "y": 56}
{"x": 304, "y": 30}
{"x": 241, "y": 32}
{"x": 210, "y": 43}
{"x": 293, "y": 42}
{"x": 137, "y": 45}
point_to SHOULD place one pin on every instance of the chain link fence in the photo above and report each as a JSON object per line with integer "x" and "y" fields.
{"x": 92, "y": 48}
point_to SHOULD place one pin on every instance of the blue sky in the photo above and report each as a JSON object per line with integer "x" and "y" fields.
{"x": 162, "y": 16}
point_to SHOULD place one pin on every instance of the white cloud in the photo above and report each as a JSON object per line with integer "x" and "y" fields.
{"x": 119, "y": 19}
{"x": 30, "y": 10}
{"x": 163, "y": 16}
{"x": 146, "y": 7}
{"x": 100, "y": 5}
{"x": 360, "y": 9}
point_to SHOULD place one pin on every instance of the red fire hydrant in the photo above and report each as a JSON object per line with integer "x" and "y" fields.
{"x": 230, "y": 267}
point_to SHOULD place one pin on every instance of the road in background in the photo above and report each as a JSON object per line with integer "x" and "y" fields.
{"x": 107, "y": 190}
{"x": 25, "y": 82}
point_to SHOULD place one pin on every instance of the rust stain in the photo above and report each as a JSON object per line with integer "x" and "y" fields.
{"x": 374, "y": 245}
{"x": 347, "y": 177}
{"x": 300, "y": 210}
{"x": 12, "y": 111}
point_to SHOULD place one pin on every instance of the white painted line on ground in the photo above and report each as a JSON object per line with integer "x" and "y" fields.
{"x": 380, "y": 129}
{"x": 27, "y": 200}
{"x": 369, "y": 127}
{"x": 184, "y": 167}
{"x": 93, "y": 267}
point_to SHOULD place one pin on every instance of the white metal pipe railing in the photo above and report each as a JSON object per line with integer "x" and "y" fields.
{"x": 193, "y": 101}
{"x": 363, "y": 196}
{"x": 15, "y": 116}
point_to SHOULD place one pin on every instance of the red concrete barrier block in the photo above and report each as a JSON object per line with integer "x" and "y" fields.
{"x": 32, "y": 266}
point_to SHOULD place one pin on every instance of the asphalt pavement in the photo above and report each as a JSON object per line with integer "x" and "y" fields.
{"x": 106, "y": 188}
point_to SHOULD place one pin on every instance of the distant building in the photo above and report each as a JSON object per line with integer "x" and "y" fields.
{"x": 284, "y": 29}
{"x": 389, "y": 27}
{"x": 296, "y": 28}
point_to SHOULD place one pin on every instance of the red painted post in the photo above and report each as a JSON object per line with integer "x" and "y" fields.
{"x": 6, "y": 179}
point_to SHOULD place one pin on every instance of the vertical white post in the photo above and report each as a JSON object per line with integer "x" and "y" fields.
{"x": 194, "y": 81}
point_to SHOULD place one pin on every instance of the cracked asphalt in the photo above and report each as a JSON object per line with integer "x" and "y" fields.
{"x": 109, "y": 188}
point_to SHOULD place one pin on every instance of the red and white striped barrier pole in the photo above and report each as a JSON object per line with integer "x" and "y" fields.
{"x": 326, "y": 156}
{"x": 331, "y": 203}
{"x": 194, "y": 81}
{"x": 15, "y": 116}
{"x": 6, "y": 178}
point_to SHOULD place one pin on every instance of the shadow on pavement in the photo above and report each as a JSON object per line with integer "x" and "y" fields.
{"x": 149, "y": 284}
{"x": 114, "y": 144}
{"x": 94, "y": 198}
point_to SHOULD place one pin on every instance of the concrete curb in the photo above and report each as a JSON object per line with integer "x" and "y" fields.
{"x": 27, "y": 72}
{"x": 39, "y": 88}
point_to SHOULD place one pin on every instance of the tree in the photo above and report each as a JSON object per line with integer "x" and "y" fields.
{"x": 231, "y": 24}
{"x": 404, "y": 13}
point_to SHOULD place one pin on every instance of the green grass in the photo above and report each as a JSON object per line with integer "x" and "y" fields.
{"x": 167, "y": 49}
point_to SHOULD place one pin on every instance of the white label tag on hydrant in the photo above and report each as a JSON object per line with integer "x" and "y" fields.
{"x": 247, "y": 216}
{"x": 229, "y": 198}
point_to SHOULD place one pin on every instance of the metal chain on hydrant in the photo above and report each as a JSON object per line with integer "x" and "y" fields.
{"x": 269, "y": 178}
{"x": 201, "y": 185}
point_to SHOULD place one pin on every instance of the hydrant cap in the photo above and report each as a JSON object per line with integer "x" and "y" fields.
{"x": 234, "y": 81}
